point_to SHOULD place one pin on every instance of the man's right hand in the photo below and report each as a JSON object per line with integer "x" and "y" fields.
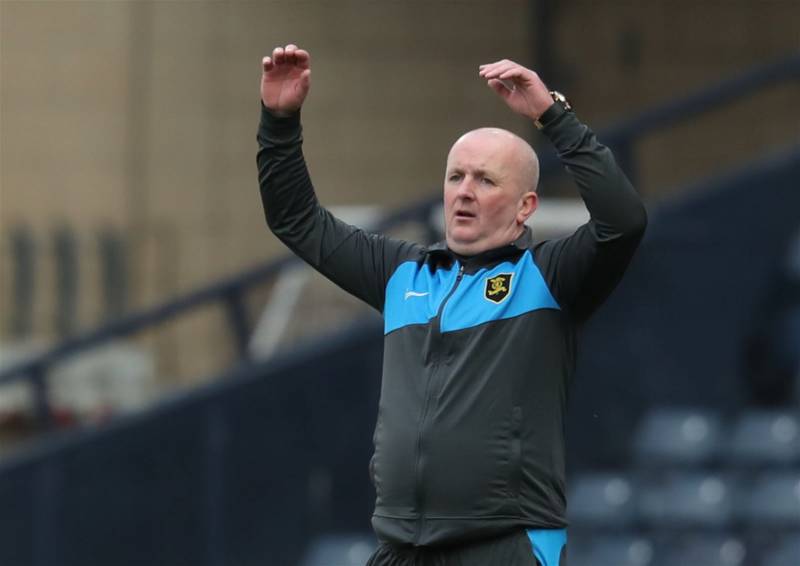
{"x": 285, "y": 79}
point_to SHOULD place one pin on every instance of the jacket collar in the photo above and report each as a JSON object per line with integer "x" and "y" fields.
{"x": 439, "y": 250}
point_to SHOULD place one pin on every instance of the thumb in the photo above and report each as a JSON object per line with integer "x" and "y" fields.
{"x": 305, "y": 82}
{"x": 498, "y": 86}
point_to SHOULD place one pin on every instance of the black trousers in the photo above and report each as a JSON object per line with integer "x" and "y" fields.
{"x": 515, "y": 549}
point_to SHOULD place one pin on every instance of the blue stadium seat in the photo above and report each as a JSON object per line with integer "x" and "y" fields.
{"x": 763, "y": 438}
{"x": 677, "y": 437}
{"x": 600, "y": 501}
{"x": 340, "y": 550}
{"x": 706, "y": 550}
{"x": 619, "y": 550}
{"x": 785, "y": 553}
{"x": 687, "y": 500}
{"x": 773, "y": 501}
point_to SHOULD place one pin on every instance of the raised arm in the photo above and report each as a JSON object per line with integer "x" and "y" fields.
{"x": 583, "y": 268}
{"x": 359, "y": 262}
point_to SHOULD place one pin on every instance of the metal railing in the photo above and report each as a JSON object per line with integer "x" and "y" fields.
{"x": 231, "y": 291}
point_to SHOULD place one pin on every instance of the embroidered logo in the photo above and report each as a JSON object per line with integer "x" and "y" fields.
{"x": 498, "y": 287}
{"x": 415, "y": 294}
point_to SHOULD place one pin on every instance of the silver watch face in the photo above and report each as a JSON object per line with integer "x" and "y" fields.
{"x": 561, "y": 99}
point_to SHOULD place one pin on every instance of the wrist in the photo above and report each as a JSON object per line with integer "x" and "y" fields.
{"x": 558, "y": 105}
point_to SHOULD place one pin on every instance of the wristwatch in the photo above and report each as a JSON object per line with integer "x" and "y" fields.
{"x": 560, "y": 101}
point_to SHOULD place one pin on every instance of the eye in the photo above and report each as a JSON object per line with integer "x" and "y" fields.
{"x": 454, "y": 177}
{"x": 487, "y": 181}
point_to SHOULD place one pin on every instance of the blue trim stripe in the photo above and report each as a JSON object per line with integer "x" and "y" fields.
{"x": 547, "y": 544}
{"x": 415, "y": 293}
{"x": 469, "y": 306}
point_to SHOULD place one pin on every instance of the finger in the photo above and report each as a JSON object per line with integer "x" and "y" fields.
{"x": 496, "y": 70}
{"x": 289, "y": 51}
{"x": 515, "y": 73}
{"x": 266, "y": 64}
{"x": 278, "y": 56}
{"x": 303, "y": 58}
{"x": 501, "y": 61}
{"x": 489, "y": 67}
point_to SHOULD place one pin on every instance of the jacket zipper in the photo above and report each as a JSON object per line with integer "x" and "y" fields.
{"x": 437, "y": 323}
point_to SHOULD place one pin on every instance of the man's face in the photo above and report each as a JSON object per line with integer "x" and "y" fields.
{"x": 488, "y": 190}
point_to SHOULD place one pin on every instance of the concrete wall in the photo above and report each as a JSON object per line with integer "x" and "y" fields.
{"x": 141, "y": 116}
{"x": 621, "y": 57}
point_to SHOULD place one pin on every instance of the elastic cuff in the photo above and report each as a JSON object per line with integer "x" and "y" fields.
{"x": 563, "y": 128}
{"x": 551, "y": 114}
{"x": 276, "y": 127}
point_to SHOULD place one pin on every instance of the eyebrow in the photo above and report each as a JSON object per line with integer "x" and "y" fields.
{"x": 478, "y": 172}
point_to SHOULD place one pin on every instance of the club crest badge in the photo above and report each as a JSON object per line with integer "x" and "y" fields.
{"x": 498, "y": 287}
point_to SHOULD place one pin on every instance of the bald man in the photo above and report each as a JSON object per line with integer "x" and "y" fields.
{"x": 479, "y": 345}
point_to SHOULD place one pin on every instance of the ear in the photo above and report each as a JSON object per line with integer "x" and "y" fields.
{"x": 528, "y": 204}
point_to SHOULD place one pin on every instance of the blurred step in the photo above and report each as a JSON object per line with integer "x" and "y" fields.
{"x": 677, "y": 437}
{"x": 601, "y": 501}
{"x": 687, "y": 500}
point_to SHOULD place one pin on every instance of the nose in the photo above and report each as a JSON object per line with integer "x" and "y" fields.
{"x": 466, "y": 189}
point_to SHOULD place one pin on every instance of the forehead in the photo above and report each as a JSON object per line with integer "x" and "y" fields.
{"x": 484, "y": 150}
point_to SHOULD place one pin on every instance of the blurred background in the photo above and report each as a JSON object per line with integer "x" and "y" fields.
{"x": 175, "y": 390}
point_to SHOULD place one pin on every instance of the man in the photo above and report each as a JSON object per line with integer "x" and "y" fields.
{"x": 479, "y": 345}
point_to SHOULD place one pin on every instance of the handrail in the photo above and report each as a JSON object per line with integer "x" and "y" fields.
{"x": 709, "y": 98}
{"x": 230, "y": 289}
{"x": 622, "y": 135}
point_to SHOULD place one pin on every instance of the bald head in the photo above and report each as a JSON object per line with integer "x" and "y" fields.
{"x": 489, "y": 190}
{"x": 509, "y": 149}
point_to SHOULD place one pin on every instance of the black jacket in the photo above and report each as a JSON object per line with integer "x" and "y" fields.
{"x": 479, "y": 352}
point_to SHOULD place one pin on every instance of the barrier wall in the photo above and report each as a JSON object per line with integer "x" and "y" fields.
{"x": 242, "y": 472}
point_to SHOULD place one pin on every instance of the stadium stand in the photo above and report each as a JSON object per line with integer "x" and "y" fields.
{"x": 253, "y": 461}
{"x": 762, "y": 438}
{"x": 670, "y": 437}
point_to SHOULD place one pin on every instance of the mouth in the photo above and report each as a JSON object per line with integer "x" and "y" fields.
{"x": 464, "y": 215}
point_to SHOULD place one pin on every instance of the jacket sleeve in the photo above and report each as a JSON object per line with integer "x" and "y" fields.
{"x": 582, "y": 269}
{"x": 358, "y": 262}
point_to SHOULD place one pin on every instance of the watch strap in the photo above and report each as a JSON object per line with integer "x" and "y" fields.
{"x": 559, "y": 106}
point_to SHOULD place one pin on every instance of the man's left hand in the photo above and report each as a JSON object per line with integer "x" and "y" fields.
{"x": 521, "y": 88}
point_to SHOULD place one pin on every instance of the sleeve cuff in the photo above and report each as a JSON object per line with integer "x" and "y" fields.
{"x": 551, "y": 114}
{"x": 278, "y": 129}
{"x": 562, "y": 128}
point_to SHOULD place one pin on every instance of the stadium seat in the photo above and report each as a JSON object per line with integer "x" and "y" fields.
{"x": 619, "y": 550}
{"x": 600, "y": 501}
{"x": 341, "y": 550}
{"x": 773, "y": 501}
{"x": 763, "y": 438}
{"x": 687, "y": 500}
{"x": 677, "y": 438}
{"x": 785, "y": 553}
{"x": 706, "y": 550}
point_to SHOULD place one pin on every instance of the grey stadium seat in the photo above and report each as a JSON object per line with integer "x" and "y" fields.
{"x": 687, "y": 500}
{"x": 618, "y": 550}
{"x": 785, "y": 553}
{"x": 706, "y": 550}
{"x": 773, "y": 501}
{"x": 677, "y": 437}
{"x": 762, "y": 438}
{"x": 340, "y": 550}
{"x": 601, "y": 501}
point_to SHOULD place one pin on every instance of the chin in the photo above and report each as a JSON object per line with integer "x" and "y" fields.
{"x": 461, "y": 247}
